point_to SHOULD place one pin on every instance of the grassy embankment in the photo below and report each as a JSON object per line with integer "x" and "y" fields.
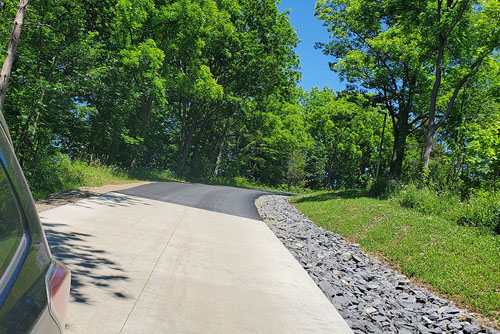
{"x": 61, "y": 173}
{"x": 461, "y": 262}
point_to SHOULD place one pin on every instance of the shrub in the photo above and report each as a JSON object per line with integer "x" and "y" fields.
{"x": 482, "y": 210}
{"x": 58, "y": 172}
{"x": 428, "y": 201}
{"x": 241, "y": 181}
{"x": 152, "y": 175}
{"x": 52, "y": 174}
{"x": 382, "y": 187}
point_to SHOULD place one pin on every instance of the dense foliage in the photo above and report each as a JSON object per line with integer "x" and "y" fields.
{"x": 199, "y": 87}
{"x": 206, "y": 90}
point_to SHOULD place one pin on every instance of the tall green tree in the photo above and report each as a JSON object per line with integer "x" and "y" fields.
{"x": 373, "y": 48}
{"x": 346, "y": 130}
{"x": 472, "y": 133}
{"x": 460, "y": 35}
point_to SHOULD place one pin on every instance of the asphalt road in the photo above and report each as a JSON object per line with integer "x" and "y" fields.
{"x": 223, "y": 199}
{"x": 182, "y": 258}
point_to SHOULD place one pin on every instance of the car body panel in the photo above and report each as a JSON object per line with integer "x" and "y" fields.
{"x": 24, "y": 304}
{"x": 45, "y": 324}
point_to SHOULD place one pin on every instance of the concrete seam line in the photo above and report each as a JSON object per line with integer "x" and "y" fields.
{"x": 154, "y": 267}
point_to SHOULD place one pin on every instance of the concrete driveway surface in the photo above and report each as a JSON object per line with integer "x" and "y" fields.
{"x": 182, "y": 258}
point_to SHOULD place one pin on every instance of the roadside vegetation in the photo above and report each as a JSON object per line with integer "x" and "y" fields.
{"x": 59, "y": 173}
{"x": 208, "y": 91}
{"x": 459, "y": 261}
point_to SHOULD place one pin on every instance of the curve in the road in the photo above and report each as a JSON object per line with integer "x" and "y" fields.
{"x": 223, "y": 199}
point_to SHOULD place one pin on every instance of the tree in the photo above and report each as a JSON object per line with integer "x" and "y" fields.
{"x": 462, "y": 34}
{"x": 296, "y": 169}
{"x": 346, "y": 130}
{"x": 11, "y": 53}
{"x": 219, "y": 56}
{"x": 373, "y": 48}
{"x": 471, "y": 134}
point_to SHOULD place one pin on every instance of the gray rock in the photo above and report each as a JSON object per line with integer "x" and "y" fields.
{"x": 370, "y": 297}
{"x": 347, "y": 256}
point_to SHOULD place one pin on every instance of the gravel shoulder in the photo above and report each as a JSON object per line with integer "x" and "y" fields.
{"x": 371, "y": 297}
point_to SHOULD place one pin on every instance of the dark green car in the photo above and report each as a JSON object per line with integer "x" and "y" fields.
{"x": 34, "y": 287}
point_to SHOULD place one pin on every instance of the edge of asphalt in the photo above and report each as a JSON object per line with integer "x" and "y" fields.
{"x": 74, "y": 195}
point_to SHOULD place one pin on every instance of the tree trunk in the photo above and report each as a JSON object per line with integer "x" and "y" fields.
{"x": 181, "y": 160}
{"x": 11, "y": 52}
{"x": 329, "y": 168}
{"x": 197, "y": 144}
{"x": 186, "y": 140}
{"x": 429, "y": 143}
{"x": 431, "y": 130}
{"x": 145, "y": 115}
{"x": 131, "y": 168}
{"x": 398, "y": 152}
{"x": 381, "y": 147}
{"x": 329, "y": 178}
{"x": 218, "y": 161}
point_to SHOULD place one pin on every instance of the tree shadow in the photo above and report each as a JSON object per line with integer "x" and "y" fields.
{"x": 111, "y": 200}
{"x": 76, "y": 195}
{"x": 343, "y": 194}
{"x": 76, "y": 251}
{"x": 67, "y": 197}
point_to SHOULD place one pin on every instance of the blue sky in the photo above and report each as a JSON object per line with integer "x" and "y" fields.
{"x": 314, "y": 64}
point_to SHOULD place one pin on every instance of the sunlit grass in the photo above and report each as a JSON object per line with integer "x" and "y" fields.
{"x": 61, "y": 173}
{"x": 459, "y": 261}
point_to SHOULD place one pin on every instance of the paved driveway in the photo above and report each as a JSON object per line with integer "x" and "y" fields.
{"x": 182, "y": 258}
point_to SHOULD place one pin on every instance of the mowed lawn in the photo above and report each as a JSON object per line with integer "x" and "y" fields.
{"x": 460, "y": 262}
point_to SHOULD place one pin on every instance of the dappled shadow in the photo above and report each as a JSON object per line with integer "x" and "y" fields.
{"x": 111, "y": 200}
{"x": 345, "y": 194}
{"x": 85, "y": 261}
{"x": 76, "y": 195}
{"x": 67, "y": 197}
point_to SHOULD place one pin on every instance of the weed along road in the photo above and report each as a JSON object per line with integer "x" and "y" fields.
{"x": 182, "y": 258}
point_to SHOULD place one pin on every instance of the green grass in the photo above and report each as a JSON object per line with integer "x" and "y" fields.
{"x": 242, "y": 182}
{"x": 58, "y": 173}
{"x": 461, "y": 262}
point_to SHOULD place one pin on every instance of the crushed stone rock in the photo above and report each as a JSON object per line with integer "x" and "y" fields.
{"x": 371, "y": 297}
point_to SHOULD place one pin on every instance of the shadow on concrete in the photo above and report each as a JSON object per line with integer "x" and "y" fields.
{"x": 67, "y": 197}
{"x": 111, "y": 200}
{"x": 76, "y": 251}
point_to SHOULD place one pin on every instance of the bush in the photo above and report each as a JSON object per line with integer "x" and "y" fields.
{"x": 482, "y": 210}
{"x": 428, "y": 201}
{"x": 241, "y": 181}
{"x": 382, "y": 187}
{"x": 58, "y": 172}
{"x": 52, "y": 174}
{"x": 152, "y": 175}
